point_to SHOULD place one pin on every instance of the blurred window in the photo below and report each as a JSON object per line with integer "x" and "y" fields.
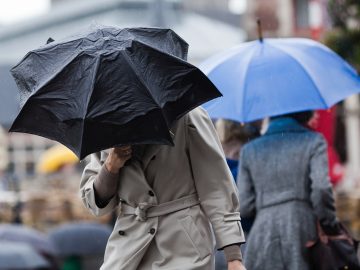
{"x": 30, "y": 168}
{"x": 302, "y": 13}
{"x": 11, "y": 167}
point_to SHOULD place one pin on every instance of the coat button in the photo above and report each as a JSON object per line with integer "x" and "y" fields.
{"x": 152, "y": 231}
{"x": 122, "y": 233}
{"x": 153, "y": 158}
{"x": 151, "y": 193}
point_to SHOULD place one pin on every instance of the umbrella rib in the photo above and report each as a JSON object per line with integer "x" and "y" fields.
{"x": 168, "y": 30}
{"x": 133, "y": 68}
{"x": 235, "y": 52}
{"x": 245, "y": 84}
{"x": 93, "y": 85}
{"x": 38, "y": 87}
{"x": 89, "y": 98}
{"x": 212, "y": 63}
{"x": 305, "y": 70}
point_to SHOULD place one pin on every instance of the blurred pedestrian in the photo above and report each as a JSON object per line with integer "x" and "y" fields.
{"x": 283, "y": 180}
{"x": 16, "y": 212}
{"x": 173, "y": 200}
{"x": 233, "y": 136}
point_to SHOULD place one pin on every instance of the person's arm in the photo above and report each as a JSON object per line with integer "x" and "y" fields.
{"x": 236, "y": 265}
{"x": 321, "y": 190}
{"x": 232, "y": 253}
{"x": 213, "y": 180}
{"x": 107, "y": 181}
{"x": 233, "y": 257}
{"x": 99, "y": 181}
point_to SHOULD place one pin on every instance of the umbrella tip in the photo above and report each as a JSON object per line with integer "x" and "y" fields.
{"x": 49, "y": 40}
{"x": 259, "y": 29}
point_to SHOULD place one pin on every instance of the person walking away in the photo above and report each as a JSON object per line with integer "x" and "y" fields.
{"x": 283, "y": 180}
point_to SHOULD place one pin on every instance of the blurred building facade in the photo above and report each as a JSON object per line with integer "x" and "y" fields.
{"x": 69, "y": 16}
{"x": 280, "y": 18}
{"x": 23, "y": 153}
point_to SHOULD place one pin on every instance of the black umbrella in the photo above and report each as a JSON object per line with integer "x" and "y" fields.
{"x": 80, "y": 238}
{"x": 21, "y": 233}
{"x": 22, "y": 256}
{"x": 108, "y": 87}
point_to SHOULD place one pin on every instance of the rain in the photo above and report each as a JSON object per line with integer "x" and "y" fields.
{"x": 179, "y": 134}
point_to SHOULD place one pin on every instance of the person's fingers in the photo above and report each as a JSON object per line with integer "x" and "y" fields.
{"x": 124, "y": 157}
{"x": 126, "y": 152}
{"x": 123, "y": 151}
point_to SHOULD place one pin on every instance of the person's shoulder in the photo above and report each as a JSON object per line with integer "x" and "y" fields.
{"x": 313, "y": 136}
{"x": 198, "y": 112}
{"x": 253, "y": 144}
{"x": 318, "y": 139}
{"x": 316, "y": 135}
{"x": 197, "y": 115}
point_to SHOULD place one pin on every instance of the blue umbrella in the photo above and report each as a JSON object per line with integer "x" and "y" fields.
{"x": 277, "y": 76}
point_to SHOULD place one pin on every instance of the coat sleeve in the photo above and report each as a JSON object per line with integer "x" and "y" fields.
{"x": 246, "y": 186}
{"x": 321, "y": 190}
{"x": 95, "y": 169}
{"x": 213, "y": 180}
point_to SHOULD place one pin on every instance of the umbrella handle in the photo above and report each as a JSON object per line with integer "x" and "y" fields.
{"x": 259, "y": 30}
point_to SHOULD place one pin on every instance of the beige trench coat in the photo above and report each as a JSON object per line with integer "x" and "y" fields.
{"x": 183, "y": 239}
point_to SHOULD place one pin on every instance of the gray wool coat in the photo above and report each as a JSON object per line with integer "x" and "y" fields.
{"x": 179, "y": 240}
{"x": 283, "y": 181}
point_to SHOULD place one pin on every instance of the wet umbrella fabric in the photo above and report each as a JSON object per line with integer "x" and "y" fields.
{"x": 80, "y": 239}
{"x": 107, "y": 88}
{"x": 20, "y": 256}
{"x": 23, "y": 234}
{"x": 277, "y": 76}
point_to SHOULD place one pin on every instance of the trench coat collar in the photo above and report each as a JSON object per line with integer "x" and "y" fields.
{"x": 284, "y": 125}
{"x": 149, "y": 151}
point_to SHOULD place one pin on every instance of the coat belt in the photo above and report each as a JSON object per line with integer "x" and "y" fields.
{"x": 143, "y": 211}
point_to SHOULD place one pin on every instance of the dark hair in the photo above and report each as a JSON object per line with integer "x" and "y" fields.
{"x": 241, "y": 132}
{"x": 301, "y": 117}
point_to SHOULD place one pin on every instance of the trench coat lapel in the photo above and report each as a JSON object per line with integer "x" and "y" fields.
{"x": 151, "y": 150}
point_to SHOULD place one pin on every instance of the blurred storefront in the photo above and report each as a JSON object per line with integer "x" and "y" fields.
{"x": 47, "y": 199}
{"x": 287, "y": 18}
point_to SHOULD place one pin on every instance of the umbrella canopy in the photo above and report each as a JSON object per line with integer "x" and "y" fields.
{"x": 23, "y": 234}
{"x": 20, "y": 256}
{"x": 108, "y": 87}
{"x": 80, "y": 238}
{"x": 54, "y": 158}
{"x": 277, "y": 76}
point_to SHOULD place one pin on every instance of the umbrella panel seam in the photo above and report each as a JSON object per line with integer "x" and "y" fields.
{"x": 133, "y": 68}
{"x": 305, "y": 71}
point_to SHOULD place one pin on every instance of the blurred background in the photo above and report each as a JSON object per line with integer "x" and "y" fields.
{"x": 39, "y": 179}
